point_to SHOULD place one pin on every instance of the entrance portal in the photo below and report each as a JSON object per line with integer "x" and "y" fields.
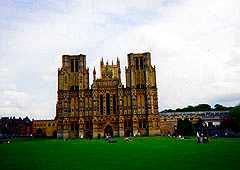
{"x": 108, "y": 131}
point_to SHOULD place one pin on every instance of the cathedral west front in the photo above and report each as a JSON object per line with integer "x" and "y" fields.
{"x": 107, "y": 107}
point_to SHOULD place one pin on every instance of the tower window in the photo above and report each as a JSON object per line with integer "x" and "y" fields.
{"x": 141, "y": 63}
{"x": 123, "y": 105}
{"x": 114, "y": 104}
{"x": 72, "y": 65}
{"x": 101, "y": 104}
{"x": 118, "y": 103}
{"x": 76, "y": 65}
{"x": 108, "y": 103}
{"x": 144, "y": 123}
{"x": 136, "y": 62}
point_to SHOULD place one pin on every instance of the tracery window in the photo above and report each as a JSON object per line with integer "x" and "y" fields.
{"x": 101, "y": 104}
{"x": 114, "y": 104}
{"x": 72, "y": 65}
{"x": 108, "y": 103}
{"x": 76, "y": 65}
{"x": 141, "y": 63}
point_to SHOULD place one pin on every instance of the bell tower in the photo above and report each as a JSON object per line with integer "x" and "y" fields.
{"x": 141, "y": 80}
{"x": 140, "y": 74}
{"x": 73, "y": 75}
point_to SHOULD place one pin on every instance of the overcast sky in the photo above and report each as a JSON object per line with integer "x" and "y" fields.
{"x": 195, "y": 45}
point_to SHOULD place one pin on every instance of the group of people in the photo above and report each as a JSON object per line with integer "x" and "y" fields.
{"x": 110, "y": 139}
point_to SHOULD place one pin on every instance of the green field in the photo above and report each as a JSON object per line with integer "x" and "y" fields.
{"x": 142, "y": 153}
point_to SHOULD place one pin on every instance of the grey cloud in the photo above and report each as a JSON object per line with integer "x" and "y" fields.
{"x": 229, "y": 99}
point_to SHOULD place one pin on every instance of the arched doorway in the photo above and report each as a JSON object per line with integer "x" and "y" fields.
{"x": 108, "y": 131}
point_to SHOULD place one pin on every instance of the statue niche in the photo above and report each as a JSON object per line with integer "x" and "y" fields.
{"x": 107, "y": 72}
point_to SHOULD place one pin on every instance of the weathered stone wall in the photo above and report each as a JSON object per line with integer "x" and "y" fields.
{"x": 46, "y": 127}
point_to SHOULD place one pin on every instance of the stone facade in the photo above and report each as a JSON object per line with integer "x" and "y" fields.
{"x": 107, "y": 107}
{"x": 44, "y": 128}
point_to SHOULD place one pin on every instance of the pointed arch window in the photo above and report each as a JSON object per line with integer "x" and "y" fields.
{"x": 114, "y": 104}
{"x": 101, "y": 104}
{"x": 108, "y": 103}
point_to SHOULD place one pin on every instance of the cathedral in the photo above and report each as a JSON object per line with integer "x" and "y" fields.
{"x": 107, "y": 107}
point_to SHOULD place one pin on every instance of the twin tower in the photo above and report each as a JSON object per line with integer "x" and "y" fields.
{"x": 107, "y": 107}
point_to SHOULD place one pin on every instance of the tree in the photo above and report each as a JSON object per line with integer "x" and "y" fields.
{"x": 185, "y": 127}
{"x": 219, "y": 107}
{"x": 203, "y": 107}
{"x": 178, "y": 110}
{"x": 190, "y": 108}
{"x": 200, "y": 107}
{"x": 234, "y": 114}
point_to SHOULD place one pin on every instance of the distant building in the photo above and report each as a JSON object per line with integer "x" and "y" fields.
{"x": 107, "y": 107}
{"x": 213, "y": 119}
{"x": 15, "y": 127}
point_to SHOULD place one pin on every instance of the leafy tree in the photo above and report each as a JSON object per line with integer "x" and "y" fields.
{"x": 190, "y": 108}
{"x": 200, "y": 107}
{"x": 203, "y": 107}
{"x": 178, "y": 110}
{"x": 185, "y": 127}
{"x": 219, "y": 107}
{"x": 234, "y": 114}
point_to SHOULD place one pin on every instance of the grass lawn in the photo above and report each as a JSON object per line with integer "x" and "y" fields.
{"x": 142, "y": 153}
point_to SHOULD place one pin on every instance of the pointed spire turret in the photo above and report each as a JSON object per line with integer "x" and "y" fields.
{"x": 94, "y": 74}
{"x": 118, "y": 62}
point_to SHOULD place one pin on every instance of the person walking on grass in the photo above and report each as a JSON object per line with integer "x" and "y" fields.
{"x": 198, "y": 138}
